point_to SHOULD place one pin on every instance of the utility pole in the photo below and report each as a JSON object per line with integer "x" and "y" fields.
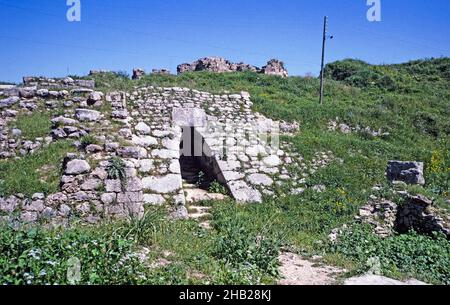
{"x": 325, "y": 28}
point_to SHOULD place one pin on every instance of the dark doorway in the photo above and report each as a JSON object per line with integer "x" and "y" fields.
{"x": 196, "y": 168}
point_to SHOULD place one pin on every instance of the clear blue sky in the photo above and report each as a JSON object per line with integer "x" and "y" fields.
{"x": 37, "y": 39}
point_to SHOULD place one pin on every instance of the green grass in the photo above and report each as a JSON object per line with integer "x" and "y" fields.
{"x": 40, "y": 256}
{"x": 411, "y": 77}
{"x": 35, "y": 173}
{"x": 241, "y": 250}
{"x": 410, "y": 101}
{"x": 35, "y": 125}
{"x": 406, "y": 255}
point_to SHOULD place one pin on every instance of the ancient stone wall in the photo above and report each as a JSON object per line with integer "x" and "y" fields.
{"x": 144, "y": 129}
{"x": 220, "y": 65}
{"x": 416, "y": 213}
{"x": 67, "y": 82}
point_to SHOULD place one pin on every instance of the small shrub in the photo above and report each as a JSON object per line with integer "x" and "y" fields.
{"x": 438, "y": 173}
{"x": 245, "y": 251}
{"x": 217, "y": 188}
{"x": 36, "y": 125}
{"x": 88, "y": 140}
{"x": 116, "y": 170}
{"x": 200, "y": 179}
{"x": 412, "y": 254}
{"x": 427, "y": 123}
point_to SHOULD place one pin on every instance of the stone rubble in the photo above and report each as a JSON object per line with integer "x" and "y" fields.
{"x": 138, "y": 73}
{"x": 221, "y": 65}
{"x": 378, "y": 280}
{"x": 161, "y": 71}
{"x": 144, "y": 127}
{"x": 275, "y": 67}
{"x": 415, "y": 213}
{"x": 409, "y": 172}
{"x": 63, "y": 83}
{"x": 337, "y": 125}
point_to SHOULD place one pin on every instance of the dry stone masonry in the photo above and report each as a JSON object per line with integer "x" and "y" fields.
{"x": 31, "y": 83}
{"x": 220, "y": 65}
{"x": 167, "y": 147}
{"x": 165, "y": 139}
{"x": 414, "y": 213}
{"x": 409, "y": 172}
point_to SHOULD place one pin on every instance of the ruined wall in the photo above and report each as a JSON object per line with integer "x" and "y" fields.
{"x": 416, "y": 213}
{"x": 144, "y": 128}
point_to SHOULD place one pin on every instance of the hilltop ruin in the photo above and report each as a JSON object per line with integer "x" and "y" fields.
{"x": 174, "y": 142}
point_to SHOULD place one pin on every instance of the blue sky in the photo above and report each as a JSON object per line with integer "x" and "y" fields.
{"x": 37, "y": 39}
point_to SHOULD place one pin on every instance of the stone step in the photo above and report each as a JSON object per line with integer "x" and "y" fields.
{"x": 201, "y": 209}
{"x": 206, "y": 225}
{"x": 196, "y": 195}
{"x": 199, "y": 215}
{"x": 187, "y": 185}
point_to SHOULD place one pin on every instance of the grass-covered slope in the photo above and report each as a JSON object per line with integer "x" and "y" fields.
{"x": 410, "y": 77}
{"x": 417, "y": 121}
{"x": 409, "y": 101}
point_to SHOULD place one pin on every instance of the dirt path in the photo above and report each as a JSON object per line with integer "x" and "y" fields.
{"x": 296, "y": 270}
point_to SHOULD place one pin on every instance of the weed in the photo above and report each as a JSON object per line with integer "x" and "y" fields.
{"x": 88, "y": 140}
{"x": 413, "y": 254}
{"x": 116, "y": 170}
{"x": 200, "y": 179}
{"x": 34, "y": 173}
{"x": 35, "y": 125}
{"x": 217, "y": 188}
{"x": 39, "y": 256}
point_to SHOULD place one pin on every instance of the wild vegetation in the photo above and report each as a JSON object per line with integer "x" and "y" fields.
{"x": 410, "y": 102}
{"x": 36, "y": 173}
{"x": 33, "y": 126}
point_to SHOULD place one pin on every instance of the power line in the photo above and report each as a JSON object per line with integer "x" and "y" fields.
{"x": 240, "y": 51}
{"x": 199, "y": 14}
{"x": 58, "y": 44}
{"x": 139, "y": 33}
{"x": 250, "y": 22}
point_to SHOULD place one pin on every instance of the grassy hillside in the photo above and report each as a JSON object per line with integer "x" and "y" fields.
{"x": 410, "y": 101}
{"x": 417, "y": 120}
{"x": 414, "y": 76}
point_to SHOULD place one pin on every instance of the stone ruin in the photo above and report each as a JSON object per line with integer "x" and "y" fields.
{"x": 212, "y": 64}
{"x": 30, "y": 83}
{"x": 221, "y": 65}
{"x": 412, "y": 212}
{"x": 173, "y": 142}
{"x": 416, "y": 213}
{"x": 407, "y": 172}
{"x": 138, "y": 73}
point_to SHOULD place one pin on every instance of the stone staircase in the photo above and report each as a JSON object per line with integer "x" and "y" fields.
{"x": 201, "y": 214}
